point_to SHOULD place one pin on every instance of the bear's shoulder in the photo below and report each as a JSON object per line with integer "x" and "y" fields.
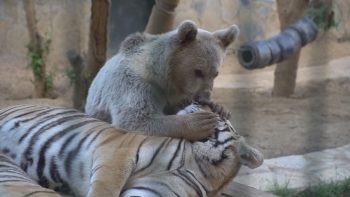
{"x": 135, "y": 41}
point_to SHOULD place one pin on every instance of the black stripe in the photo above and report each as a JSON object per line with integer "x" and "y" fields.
{"x": 44, "y": 128}
{"x": 143, "y": 188}
{"x": 138, "y": 150}
{"x": 226, "y": 129}
{"x": 27, "y": 113}
{"x": 5, "y": 150}
{"x": 45, "y": 118}
{"x": 65, "y": 144}
{"x": 199, "y": 164}
{"x": 168, "y": 187}
{"x": 16, "y": 177}
{"x": 81, "y": 170}
{"x": 13, "y": 170}
{"x": 54, "y": 173}
{"x": 44, "y": 182}
{"x": 193, "y": 176}
{"x": 216, "y": 135}
{"x": 40, "y": 192}
{"x": 192, "y": 183}
{"x": 70, "y": 157}
{"x": 24, "y": 166}
{"x": 4, "y": 114}
{"x": 189, "y": 183}
{"x": 217, "y": 143}
{"x": 95, "y": 137}
{"x": 154, "y": 156}
{"x": 48, "y": 143}
{"x": 70, "y": 138}
{"x": 167, "y": 144}
{"x": 175, "y": 154}
{"x": 222, "y": 157}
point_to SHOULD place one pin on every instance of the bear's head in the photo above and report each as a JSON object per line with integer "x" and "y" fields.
{"x": 196, "y": 58}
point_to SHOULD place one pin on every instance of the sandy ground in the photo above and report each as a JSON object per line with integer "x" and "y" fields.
{"x": 316, "y": 118}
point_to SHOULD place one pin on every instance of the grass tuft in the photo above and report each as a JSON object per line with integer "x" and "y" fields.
{"x": 324, "y": 189}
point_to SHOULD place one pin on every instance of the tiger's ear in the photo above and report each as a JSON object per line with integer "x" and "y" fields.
{"x": 187, "y": 31}
{"x": 227, "y": 36}
{"x": 250, "y": 157}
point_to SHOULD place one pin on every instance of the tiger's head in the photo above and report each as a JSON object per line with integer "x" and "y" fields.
{"x": 213, "y": 147}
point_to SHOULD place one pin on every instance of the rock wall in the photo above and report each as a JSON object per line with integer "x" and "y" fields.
{"x": 66, "y": 20}
{"x": 258, "y": 20}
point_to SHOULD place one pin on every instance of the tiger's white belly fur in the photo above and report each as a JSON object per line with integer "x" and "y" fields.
{"x": 69, "y": 151}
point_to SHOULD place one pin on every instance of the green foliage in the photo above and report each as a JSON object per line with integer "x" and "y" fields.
{"x": 318, "y": 15}
{"x": 87, "y": 75}
{"x": 50, "y": 79}
{"x": 36, "y": 63}
{"x": 325, "y": 189}
{"x": 48, "y": 42}
{"x": 71, "y": 76}
{"x": 328, "y": 189}
{"x": 282, "y": 190}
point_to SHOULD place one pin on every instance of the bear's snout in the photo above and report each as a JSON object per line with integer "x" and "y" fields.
{"x": 203, "y": 100}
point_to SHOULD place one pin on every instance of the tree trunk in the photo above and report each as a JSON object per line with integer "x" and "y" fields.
{"x": 162, "y": 17}
{"x": 289, "y": 11}
{"x": 35, "y": 46}
{"x": 96, "y": 56}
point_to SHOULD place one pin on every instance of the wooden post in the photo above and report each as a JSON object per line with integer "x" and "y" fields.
{"x": 162, "y": 17}
{"x": 97, "y": 52}
{"x": 289, "y": 11}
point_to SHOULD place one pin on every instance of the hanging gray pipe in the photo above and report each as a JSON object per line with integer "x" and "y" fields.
{"x": 259, "y": 54}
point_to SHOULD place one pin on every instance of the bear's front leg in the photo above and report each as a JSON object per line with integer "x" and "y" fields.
{"x": 223, "y": 112}
{"x": 194, "y": 126}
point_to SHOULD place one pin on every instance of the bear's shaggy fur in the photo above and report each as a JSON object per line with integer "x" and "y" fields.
{"x": 153, "y": 75}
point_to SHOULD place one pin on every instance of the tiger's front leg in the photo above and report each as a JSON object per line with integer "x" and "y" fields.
{"x": 110, "y": 171}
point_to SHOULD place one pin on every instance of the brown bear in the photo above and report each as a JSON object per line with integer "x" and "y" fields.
{"x": 152, "y": 76}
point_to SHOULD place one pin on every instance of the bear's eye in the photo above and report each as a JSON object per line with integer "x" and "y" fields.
{"x": 198, "y": 73}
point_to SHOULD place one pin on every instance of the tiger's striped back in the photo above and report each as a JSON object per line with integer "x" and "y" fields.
{"x": 68, "y": 151}
{"x": 14, "y": 182}
{"x": 46, "y": 142}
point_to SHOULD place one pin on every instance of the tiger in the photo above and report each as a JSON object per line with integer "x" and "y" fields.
{"x": 70, "y": 152}
{"x": 15, "y": 182}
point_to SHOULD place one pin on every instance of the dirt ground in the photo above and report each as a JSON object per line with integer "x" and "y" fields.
{"x": 316, "y": 119}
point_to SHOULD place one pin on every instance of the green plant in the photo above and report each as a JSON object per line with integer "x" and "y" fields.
{"x": 36, "y": 63}
{"x": 318, "y": 15}
{"x": 70, "y": 73}
{"x": 324, "y": 189}
{"x": 50, "y": 79}
{"x": 328, "y": 189}
{"x": 48, "y": 42}
{"x": 87, "y": 75}
{"x": 282, "y": 190}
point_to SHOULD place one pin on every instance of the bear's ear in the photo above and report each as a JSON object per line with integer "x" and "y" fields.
{"x": 187, "y": 31}
{"x": 227, "y": 36}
